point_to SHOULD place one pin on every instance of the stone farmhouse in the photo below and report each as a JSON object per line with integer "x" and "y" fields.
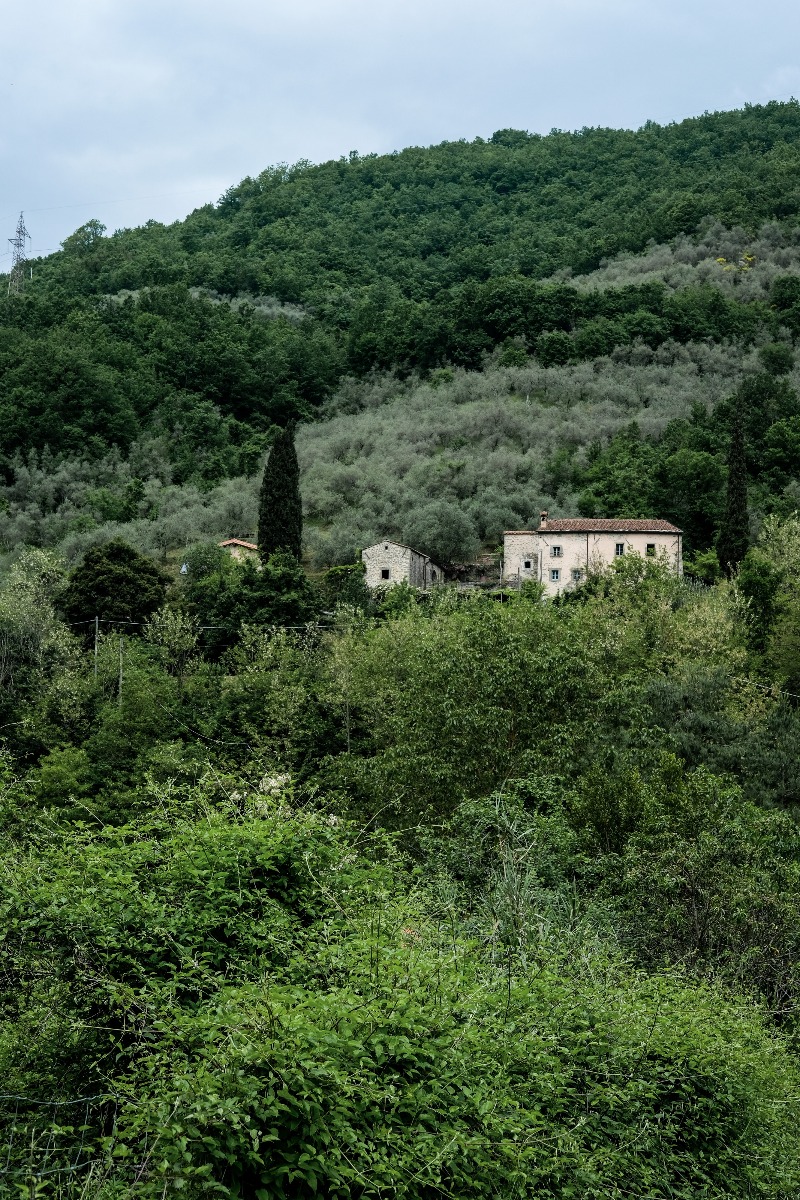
{"x": 391, "y": 562}
{"x": 561, "y": 552}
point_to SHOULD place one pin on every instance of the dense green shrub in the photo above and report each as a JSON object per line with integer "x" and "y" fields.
{"x": 115, "y": 583}
{"x": 252, "y": 1008}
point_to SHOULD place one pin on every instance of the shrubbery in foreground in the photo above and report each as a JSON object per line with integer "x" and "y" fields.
{"x": 236, "y": 998}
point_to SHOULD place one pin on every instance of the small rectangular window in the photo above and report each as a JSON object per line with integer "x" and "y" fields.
{"x": 385, "y": 573}
{"x": 555, "y": 575}
{"x": 619, "y": 549}
{"x": 555, "y": 552}
{"x": 527, "y": 564}
{"x": 577, "y": 573}
{"x": 651, "y": 549}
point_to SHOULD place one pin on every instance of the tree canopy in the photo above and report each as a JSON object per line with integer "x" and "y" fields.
{"x": 115, "y": 583}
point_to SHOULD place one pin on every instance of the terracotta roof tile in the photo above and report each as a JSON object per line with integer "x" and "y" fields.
{"x": 607, "y": 525}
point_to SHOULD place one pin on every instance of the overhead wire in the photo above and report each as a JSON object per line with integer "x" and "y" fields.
{"x": 118, "y": 200}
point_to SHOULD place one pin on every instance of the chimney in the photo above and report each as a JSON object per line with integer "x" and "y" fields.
{"x": 543, "y": 519}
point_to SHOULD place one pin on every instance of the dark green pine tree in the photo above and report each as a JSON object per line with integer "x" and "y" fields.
{"x": 280, "y": 513}
{"x": 734, "y": 537}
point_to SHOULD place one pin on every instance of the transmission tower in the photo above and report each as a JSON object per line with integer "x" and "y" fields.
{"x": 16, "y": 278}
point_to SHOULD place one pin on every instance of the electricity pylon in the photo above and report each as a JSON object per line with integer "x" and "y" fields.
{"x": 16, "y": 277}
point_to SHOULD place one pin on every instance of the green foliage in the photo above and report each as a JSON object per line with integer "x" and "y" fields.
{"x": 280, "y": 510}
{"x": 712, "y": 882}
{"x": 114, "y": 582}
{"x": 35, "y": 647}
{"x": 345, "y": 585}
{"x": 759, "y": 581}
{"x": 223, "y": 601}
{"x": 203, "y": 338}
{"x": 443, "y": 531}
{"x": 484, "y": 675}
{"x": 704, "y": 566}
{"x": 767, "y": 579}
{"x": 176, "y": 636}
{"x": 196, "y": 937}
{"x": 409, "y": 261}
{"x": 734, "y": 534}
{"x": 783, "y": 657}
{"x": 268, "y": 1009}
{"x": 571, "y": 970}
{"x": 311, "y": 232}
{"x": 63, "y": 776}
{"x": 621, "y": 480}
{"x": 777, "y": 358}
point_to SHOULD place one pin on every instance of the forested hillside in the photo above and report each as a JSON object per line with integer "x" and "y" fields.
{"x": 309, "y": 891}
{"x": 162, "y": 359}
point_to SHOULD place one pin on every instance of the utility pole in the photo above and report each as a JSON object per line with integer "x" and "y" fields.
{"x": 16, "y": 278}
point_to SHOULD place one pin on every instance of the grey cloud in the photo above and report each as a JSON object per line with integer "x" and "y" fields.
{"x": 127, "y": 111}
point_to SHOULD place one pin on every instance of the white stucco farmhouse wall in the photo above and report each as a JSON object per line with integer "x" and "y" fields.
{"x": 390, "y": 562}
{"x": 571, "y": 548}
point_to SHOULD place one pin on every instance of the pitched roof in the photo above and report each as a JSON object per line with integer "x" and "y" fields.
{"x": 239, "y": 542}
{"x": 602, "y": 525}
{"x": 401, "y": 546}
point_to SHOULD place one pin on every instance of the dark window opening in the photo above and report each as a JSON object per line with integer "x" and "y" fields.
{"x": 527, "y": 564}
{"x": 651, "y": 549}
{"x": 385, "y": 573}
{"x": 619, "y": 549}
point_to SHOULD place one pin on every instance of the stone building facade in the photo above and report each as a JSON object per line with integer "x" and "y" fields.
{"x": 520, "y": 555}
{"x": 390, "y": 562}
{"x": 562, "y": 552}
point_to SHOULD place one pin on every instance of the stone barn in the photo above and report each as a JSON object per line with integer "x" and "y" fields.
{"x": 391, "y": 562}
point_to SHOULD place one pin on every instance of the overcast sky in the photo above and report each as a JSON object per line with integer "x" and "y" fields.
{"x": 125, "y": 110}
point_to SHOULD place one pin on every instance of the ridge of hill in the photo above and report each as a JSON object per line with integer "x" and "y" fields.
{"x": 427, "y": 219}
{"x": 567, "y": 284}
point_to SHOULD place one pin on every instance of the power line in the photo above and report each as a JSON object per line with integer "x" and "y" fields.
{"x": 119, "y": 200}
{"x": 86, "y": 204}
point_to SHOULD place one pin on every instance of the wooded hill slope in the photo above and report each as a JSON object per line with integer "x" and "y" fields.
{"x": 312, "y": 892}
{"x": 427, "y": 219}
{"x": 177, "y": 350}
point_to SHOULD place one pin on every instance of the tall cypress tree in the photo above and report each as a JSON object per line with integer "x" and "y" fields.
{"x": 280, "y": 513}
{"x": 734, "y": 537}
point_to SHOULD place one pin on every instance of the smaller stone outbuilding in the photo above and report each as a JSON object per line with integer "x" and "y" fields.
{"x": 239, "y": 550}
{"x": 391, "y": 562}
